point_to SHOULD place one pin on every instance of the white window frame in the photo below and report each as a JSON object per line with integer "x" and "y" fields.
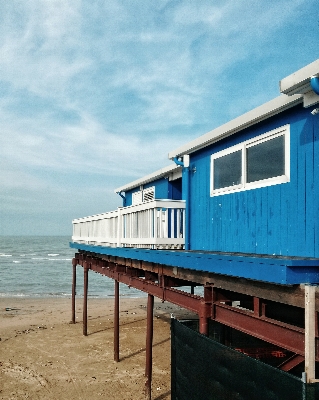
{"x": 244, "y": 185}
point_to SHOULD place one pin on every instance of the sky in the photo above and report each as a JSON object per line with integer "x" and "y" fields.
{"x": 94, "y": 94}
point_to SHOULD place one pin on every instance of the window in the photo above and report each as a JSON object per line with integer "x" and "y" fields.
{"x": 227, "y": 170}
{"x": 262, "y": 161}
{"x": 266, "y": 160}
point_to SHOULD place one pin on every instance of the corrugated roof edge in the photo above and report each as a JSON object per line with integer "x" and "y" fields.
{"x": 273, "y": 107}
{"x": 166, "y": 171}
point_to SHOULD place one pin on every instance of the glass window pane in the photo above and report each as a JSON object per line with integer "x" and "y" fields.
{"x": 266, "y": 160}
{"x": 227, "y": 170}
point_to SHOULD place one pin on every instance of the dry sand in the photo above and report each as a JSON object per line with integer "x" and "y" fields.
{"x": 44, "y": 356}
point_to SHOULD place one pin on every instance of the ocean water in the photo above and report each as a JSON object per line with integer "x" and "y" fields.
{"x": 41, "y": 266}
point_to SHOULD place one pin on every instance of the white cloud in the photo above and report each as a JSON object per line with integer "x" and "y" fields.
{"x": 40, "y": 51}
{"x": 97, "y": 93}
{"x": 77, "y": 148}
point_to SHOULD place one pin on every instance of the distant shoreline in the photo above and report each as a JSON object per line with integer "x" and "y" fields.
{"x": 68, "y": 297}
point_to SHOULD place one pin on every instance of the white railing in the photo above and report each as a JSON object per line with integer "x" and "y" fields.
{"x": 157, "y": 224}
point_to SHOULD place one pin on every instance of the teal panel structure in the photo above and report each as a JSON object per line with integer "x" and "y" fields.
{"x": 203, "y": 369}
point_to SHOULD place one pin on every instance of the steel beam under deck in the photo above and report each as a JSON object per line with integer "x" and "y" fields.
{"x": 285, "y": 294}
{"x": 214, "y": 305}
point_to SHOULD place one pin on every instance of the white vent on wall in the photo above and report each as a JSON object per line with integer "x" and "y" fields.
{"x": 142, "y": 196}
{"x": 148, "y": 194}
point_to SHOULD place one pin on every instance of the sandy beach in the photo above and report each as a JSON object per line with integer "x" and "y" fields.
{"x": 44, "y": 356}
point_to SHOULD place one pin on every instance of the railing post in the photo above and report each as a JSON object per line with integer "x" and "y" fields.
{"x": 165, "y": 235}
{"x": 184, "y": 227}
{"x": 119, "y": 227}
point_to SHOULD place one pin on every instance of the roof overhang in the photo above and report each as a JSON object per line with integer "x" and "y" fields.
{"x": 299, "y": 83}
{"x": 295, "y": 89}
{"x": 171, "y": 172}
{"x": 246, "y": 120}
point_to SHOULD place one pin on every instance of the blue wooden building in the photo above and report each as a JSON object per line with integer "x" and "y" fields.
{"x": 241, "y": 200}
{"x": 236, "y": 212}
{"x": 252, "y": 183}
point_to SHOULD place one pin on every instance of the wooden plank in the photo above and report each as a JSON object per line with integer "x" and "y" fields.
{"x": 310, "y": 344}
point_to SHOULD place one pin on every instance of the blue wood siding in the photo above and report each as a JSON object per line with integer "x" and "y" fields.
{"x": 161, "y": 188}
{"x": 175, "y": 189}
{"x": 280, "y": 219}
{"x": 128, "y": 198}
{"x": 164, "y": 189}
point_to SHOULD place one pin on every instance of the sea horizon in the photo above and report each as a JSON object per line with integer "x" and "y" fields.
{"x": 40, "y": 266}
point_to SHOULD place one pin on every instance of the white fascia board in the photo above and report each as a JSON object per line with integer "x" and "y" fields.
{"x": 167, "y": 171}
{"x": 246, "y": 120}
{"x": 299, "y": 81}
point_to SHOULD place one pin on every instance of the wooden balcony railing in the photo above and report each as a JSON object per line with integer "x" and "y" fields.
{"x": 157, "y": 224}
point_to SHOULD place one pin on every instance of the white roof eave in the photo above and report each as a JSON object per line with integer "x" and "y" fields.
{"x": 166, "y": 171}
{"x": 246, "y": 120}
{"x": 299, "y": 81}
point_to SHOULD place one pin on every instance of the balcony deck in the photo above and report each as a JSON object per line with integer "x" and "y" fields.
{"x": 274, "y": 269}
{"x": 154, "y": 231}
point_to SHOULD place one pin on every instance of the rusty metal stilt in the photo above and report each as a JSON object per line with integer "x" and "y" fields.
{"x": 149, "y": 347}
{"x": 73, "y": 290}
{"x": 203, "y": 325}
{"x": 85, "y": 301}
{"x": 116, "y": 322}
{"x": 205, "y": 310}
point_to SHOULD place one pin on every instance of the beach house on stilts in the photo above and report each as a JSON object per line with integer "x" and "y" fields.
{"x": 236, "y": 213}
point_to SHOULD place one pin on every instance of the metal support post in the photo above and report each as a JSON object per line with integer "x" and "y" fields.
{"x": 203, "y": 322}
{"x": 85, "y": 300}
{"x": 116, "y": 321}
{"x": 205, "y": 310}
{"x": 149, "y": 346}
{"x": 259, "y": 307}
{"x": 73, "y": 289}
